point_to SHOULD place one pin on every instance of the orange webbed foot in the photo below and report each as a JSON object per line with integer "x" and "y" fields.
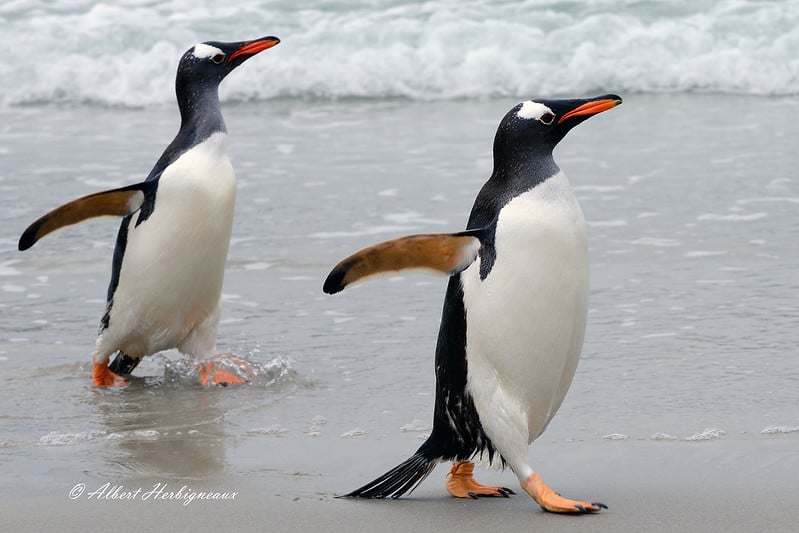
{"x": 550, "y": 501}
{"x": 103, "y": 377}
{"x": 212, "y": 372}
{"x": 461, "y": 484}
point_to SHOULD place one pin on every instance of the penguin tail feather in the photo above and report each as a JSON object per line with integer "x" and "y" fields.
{"x": 401, "y": 479}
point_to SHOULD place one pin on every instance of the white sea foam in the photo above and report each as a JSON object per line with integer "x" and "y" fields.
{"x": 411, "y": 217}
{"x": 147, "y": 434}
{"x": 658, "y": 242}
{"x": 773, "y": 430}
{"x": 664, "y": 436}
{"x": 769, "y": 199}
{"x": 7, "y": 270}
{"x": 708, "y": 434}
{"x": 318, "y": 420}
{"x": 733, "y": 217}
{"x": 415, "y": 425}
{"x": 703, "y": 253}
{"x": 125, "y": 54}
{"x": 315, "y": 428}
{"x": 372, "y": 230}
{"x": 617, "y": 223}
{"x": 57, "y": 438}
{"x": 273, "y": 430}
{"x": 258, "y": 265}
{"x": 9, "y": 287}
{"x": 357, "y": 432}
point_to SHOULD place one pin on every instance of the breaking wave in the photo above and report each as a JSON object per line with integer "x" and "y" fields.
{"x": 79, "y": 51}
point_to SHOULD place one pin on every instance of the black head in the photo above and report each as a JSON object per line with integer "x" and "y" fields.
{"x": 204, "y": 66}
{"x": 535, "y": 127}
{"x": 208, "y": 63}
{"x": 200, "y": 71}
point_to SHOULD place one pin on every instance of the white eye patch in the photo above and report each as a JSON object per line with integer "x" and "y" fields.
{"x": 533, "y": 110}
{"x": 204, "y": 51}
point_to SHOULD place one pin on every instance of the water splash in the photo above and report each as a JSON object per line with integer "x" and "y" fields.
{"x": 184, "y": 371}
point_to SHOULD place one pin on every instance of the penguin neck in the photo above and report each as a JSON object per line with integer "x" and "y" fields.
{"x": 200, "y": 117}
{"x": 522, "y": 169}
{"x": 514, "y": 174}
{"x": 200, "y": 113}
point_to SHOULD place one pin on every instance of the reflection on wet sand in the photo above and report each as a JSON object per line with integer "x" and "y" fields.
{"x": 171, "y": 427}
{"x": 163, "y": 431}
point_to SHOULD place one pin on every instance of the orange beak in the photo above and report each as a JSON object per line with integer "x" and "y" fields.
{"x": 591, "y": 108}
{"x": 253, "y": 47}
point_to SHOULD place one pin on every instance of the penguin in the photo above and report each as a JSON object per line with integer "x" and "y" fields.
{"x": 514, "y": 314}
{"x": 169, "y": 260}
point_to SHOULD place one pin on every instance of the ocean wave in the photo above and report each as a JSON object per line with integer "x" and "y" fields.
{"x": 79, "y": 51}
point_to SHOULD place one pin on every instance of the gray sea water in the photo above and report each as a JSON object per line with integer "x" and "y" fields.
{"x": 692, "y": 207}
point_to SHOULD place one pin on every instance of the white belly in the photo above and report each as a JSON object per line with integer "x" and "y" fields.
{"x": 174, "y": 262}
{"x": 526, "y": 320}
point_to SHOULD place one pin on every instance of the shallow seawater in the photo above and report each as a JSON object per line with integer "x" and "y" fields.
{"x": 691, "y": 201}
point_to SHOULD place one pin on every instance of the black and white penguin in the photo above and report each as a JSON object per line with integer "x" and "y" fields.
{"x": 514, "y": 313}
{"x": 171, "y": 249}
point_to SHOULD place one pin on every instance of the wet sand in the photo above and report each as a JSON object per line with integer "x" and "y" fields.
{"x": 735, "y": 485}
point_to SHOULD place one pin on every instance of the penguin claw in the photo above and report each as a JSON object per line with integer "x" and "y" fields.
{"x": 103, "y": 377}
{"x": 223, "y": 372}
{"x": 550, "y": 501}
{"x": 461, "y": 484}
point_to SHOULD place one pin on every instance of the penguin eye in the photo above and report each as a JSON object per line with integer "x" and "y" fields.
{"x": 547, "y": 118}
{"x": 218, "y": 58}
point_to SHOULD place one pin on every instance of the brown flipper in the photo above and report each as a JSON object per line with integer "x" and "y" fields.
{"x": 449, "y": 253}
{"x": 114, "y": 202}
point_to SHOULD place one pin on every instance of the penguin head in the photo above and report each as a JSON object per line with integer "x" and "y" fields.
{"x": 537, "y": 126}
{"x": 206, "y": 64}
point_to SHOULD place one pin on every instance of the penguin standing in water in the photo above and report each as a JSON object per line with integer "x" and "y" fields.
{"x": 171, "y": 249}
{"x": 514, "y": 313}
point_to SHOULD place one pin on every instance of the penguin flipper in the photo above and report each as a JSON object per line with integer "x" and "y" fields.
{"x": 114, "y": 202}
{"x": 449, "y": 253}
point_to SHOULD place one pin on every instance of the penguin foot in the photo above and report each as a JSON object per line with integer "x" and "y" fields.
{"x": 103, "y": 377}
{"x": 461, "y": 484}
{"x": 550, "y": 501}
{"x": 224, "y": 372}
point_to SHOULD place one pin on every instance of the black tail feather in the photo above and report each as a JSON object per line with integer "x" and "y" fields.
{"x": 399, "y": 480}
